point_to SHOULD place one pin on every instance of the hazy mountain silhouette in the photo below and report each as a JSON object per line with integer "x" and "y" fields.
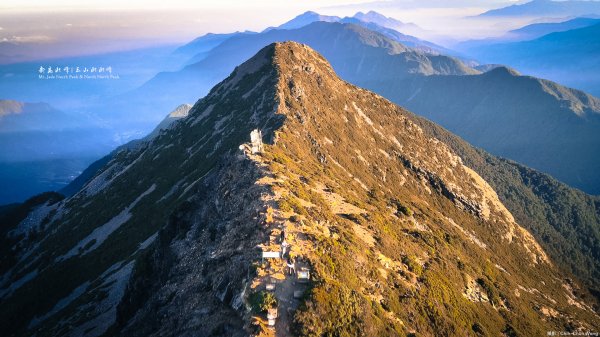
{"x": 541, "y": 8}
{"x": 570, "y": 57}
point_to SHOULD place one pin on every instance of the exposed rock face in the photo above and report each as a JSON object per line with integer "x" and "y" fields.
{"x": 397, "y": 234}
{"x": 205, "y": 271}
{"x": 180, "y": 112}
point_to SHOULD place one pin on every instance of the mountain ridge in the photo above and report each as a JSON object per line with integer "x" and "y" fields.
{"x": 342, "y": 169}
{"x": 565, "y": 56}
{"x": 541, "y": 29}
{"x": 295, "y": 81}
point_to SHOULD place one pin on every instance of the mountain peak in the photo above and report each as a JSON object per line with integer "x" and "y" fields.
{"x": 308, "y": 13}
{"x": 8, "y": 107}
{"x": 382, "y": 20}
{"x": 503, "y": 71}
{"x": 282, "y": 58}
{"x": 370, "y": 14}
{"x": 291, "y": 55}
{"x": 181, "y": 111}
{"x": 307, "y": 18}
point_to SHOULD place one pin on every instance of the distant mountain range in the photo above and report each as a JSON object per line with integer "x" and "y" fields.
{"x": 407, "y": 40}
{"x": 541, "y": 8}
{"x": 525, "y": 33}
{"x": 388, "y": 22}
{"x": 537, "y": 30}
{"x": 168, "y": 89}
{"x": 309, "y": 17}
{"x": 198, "y": 49}
{"x": 306, "y": 18}
{"x": 395, "y": 226}
{"x": 570, "y": 57}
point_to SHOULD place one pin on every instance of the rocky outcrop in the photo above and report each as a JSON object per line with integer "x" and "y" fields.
{"x": 194, "y": 280}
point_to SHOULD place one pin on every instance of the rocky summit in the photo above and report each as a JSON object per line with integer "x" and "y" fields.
{"x": 288, "y": 202}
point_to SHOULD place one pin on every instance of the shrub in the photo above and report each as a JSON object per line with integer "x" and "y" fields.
{"x": 401, "y": 209}
{"x": 490, "y": 290}
{"x": 478, "y": 329}
{"x": 332, "y": 310}
{"x": 262, "y": 301}
{"x": 413, "y": 265}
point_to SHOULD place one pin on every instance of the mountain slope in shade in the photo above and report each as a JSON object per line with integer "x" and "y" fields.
{"x": 399, "y": 235}
{"x": 543, "y": 8}
{"x": 557, "y": 129}
{"x": 170, "y": 120}
{"x": 126, "y": 222}
{"x": 408, "y": 40}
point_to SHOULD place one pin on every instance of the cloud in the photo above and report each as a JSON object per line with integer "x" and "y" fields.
{"x": 27, "y": 39}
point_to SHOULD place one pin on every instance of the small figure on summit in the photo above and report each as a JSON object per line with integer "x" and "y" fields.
{"x": 256, "y": 140}
{"x": 291, "y": 266}
{"x": 284, "y": 247}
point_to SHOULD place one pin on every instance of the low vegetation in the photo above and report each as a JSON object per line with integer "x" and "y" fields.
{"x": 262, "y": 301}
